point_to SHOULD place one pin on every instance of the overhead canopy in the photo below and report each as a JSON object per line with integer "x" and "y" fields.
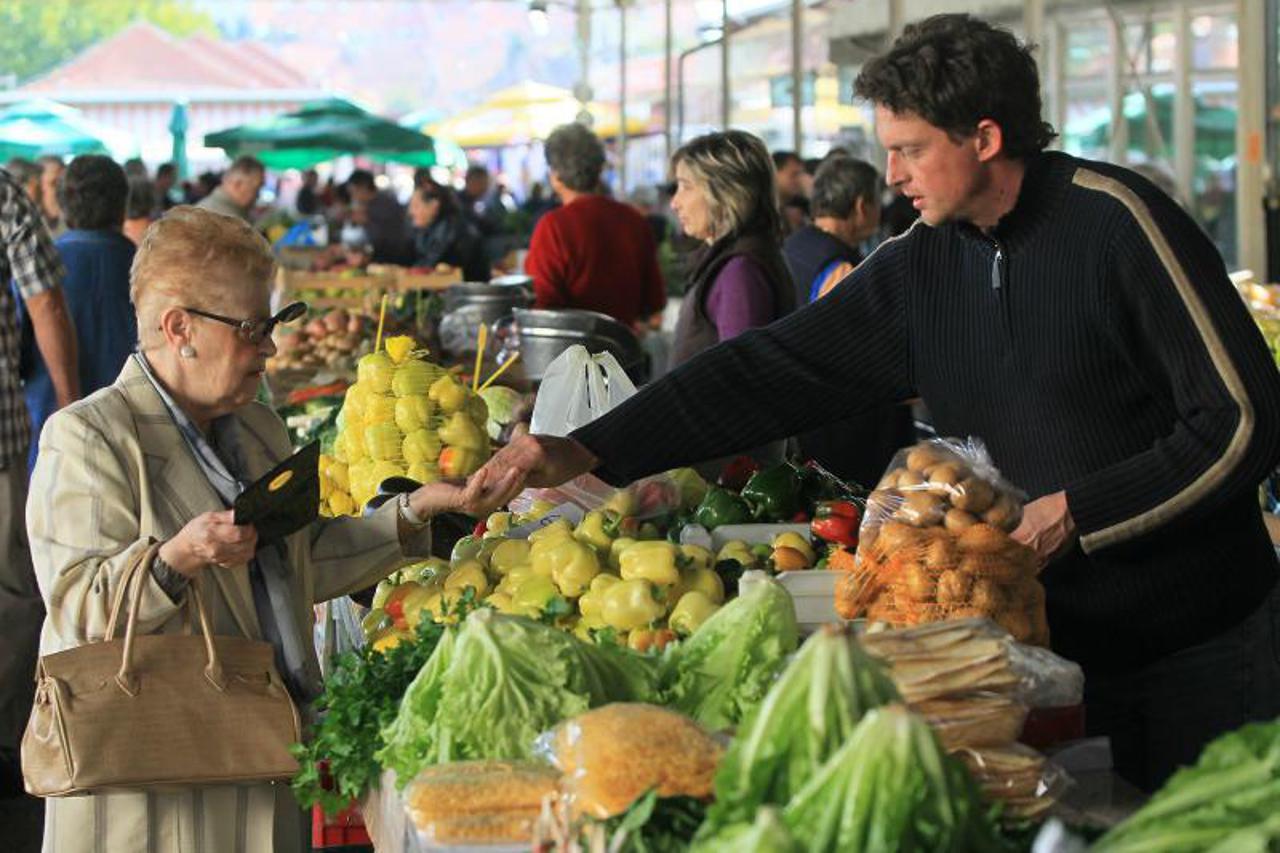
{"x": 526, "y": 112}
{"x": 324, "y": 130}
{"x": 38, "y": 126}
{"x": 1215, "y": 126}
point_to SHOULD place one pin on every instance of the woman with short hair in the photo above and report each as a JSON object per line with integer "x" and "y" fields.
{"x": 156, "y": 459}
{"x": 725, "y": 198}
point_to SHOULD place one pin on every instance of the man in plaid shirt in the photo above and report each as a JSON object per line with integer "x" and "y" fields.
{"x": 27, "y": 258}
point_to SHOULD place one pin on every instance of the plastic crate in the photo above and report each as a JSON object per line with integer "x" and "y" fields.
{"x": 344, "y": 829}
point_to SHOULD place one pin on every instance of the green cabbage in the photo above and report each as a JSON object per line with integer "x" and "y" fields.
{"x": 722, "y": 672}
{"x": 806, "y": 716}
{"x": 496, "y": 682}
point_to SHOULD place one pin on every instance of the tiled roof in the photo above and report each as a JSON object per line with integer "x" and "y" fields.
{"x": 145, "y": 57}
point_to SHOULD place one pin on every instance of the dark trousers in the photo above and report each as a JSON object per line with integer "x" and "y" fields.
{"x": 1161, "y": 715}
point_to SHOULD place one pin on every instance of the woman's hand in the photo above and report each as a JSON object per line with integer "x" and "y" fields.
{"x": 210, "y": 539}
{"x": 469, "y": 497}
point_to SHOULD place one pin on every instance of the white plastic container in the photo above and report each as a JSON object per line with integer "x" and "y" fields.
{"x": 813, "y": 592}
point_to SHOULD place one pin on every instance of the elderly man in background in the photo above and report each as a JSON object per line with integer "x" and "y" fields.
{"x": 29, "y": 260}
{"x": 592, "y": 252}
{"x": 239, "y": 189}
{"x": 846, "y": 211}
{"x": 383, "y": 217}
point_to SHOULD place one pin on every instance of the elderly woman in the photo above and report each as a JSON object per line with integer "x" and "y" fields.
{"x": 158, "y": 457}
{"x": 592, "y": 252}
{"x": 725, "y": 198}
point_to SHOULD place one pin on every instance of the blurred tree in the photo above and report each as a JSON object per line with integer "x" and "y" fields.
{"x": 36, "y": 35}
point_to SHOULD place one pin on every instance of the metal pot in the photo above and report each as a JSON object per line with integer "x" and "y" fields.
{"x": 469, "y": 305}
{"x": 540, "y": 335}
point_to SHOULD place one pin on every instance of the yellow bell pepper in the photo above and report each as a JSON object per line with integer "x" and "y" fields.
{"x": 555, "y": 530}
{"x": 594, "y": 529}
{"x": 532, "y": 596}
{"x": 591, "y": 604}
{"x": 499, "y": 601}
{"x": 497, "y": 523}
{"x": 423, "y": 472}
{"x": 538, "y": 509}
{"x": 651, "y": 561}
{"x": 622, "y": 502}
{"x": 791, "y": 539}
{"x": 701, "y": 580}
{"x": 508, "y": 554}
{"x": 446, "y": 393}
{"x": 461, "y": 461}
{"x": 514, "y": 578}
{"x": 461, "y": 431}
{"x": 467, "y": 574}
{"x": 582, "y": 630}
{"x": 621, "y": 544}
{"x": 413, "y": 413}
{"x": 740, "y": 551}
{"x": 630, "y": 604}
{"x": 697, "y": 556}
{"x": 690, "y": 612}
{"x": 570, "y": 563}
{"x": 390, "y": 640}
{"x": 375, "y": 371}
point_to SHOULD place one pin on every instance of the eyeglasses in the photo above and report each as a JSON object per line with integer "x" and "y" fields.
{"x": 256, "y": 331}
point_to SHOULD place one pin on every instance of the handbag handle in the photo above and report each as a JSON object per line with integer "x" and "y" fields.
{"x": 136, "y": 563}
{"x": 126, "y": 679}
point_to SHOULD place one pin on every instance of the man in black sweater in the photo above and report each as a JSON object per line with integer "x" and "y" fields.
{"x": 1076, "y": 319}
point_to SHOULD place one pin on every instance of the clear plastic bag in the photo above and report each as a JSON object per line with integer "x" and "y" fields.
{"x": 577, "y": 388}
{"x": 1022, "y": 780}
{"x": 1046, "y": 680}
{"x": 975, "y": 720}
{"x": 934, "y": 545}
{"x": 612, "y": 755}
{"x": 480, "y": 802}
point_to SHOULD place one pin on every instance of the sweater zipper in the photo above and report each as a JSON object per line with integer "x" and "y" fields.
{"x": 999, "y": 285}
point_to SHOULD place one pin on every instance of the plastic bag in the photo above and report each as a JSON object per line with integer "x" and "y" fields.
{"x": 934, "y": 545}
{"x": 612, "y": 755}
{"x": 1046, "y": 680}
{"x": 480, "y": 802}
{"x": 577, "y": 388}
{"x": 976, "y": 720}
{"x": 1016, "y": 776}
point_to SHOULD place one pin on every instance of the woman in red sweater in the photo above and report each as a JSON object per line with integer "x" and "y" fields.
{"x": 592, "y": 252}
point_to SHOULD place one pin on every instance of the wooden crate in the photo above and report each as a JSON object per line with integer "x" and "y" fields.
{"x": 323, "y": 290}
{"x": 434, "y": 281}
{"x": 298, "y": 257}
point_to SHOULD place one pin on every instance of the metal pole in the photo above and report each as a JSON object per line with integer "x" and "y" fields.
{"x": 666, "y": 83}
{"x": 1184, "y": 108}
{"x": 797, "y": 75}
{"x": 622, "y": 97}
{"x": 583, "y": 90}
{"x": 724, "y": 64}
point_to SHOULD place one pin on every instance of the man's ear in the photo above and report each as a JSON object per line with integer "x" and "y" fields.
{"x": 988, "y": 140}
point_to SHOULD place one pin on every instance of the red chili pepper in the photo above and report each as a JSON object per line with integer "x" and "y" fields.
{"x": 480, "y": 528}
{"x": 302, "y": 395}
{"x": 737, "y": 471}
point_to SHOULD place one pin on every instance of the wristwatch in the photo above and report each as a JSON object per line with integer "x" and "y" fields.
{"x": 407, "y": 514}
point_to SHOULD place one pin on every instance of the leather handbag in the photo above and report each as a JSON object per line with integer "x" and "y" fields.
{"x": 158, "y": 710}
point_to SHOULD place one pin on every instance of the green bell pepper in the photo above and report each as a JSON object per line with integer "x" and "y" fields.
{"x": 774, "y": 493}
{"x": 721, "y": 506}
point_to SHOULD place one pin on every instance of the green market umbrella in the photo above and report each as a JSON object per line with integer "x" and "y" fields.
{"x": 1215, "y": 126}
{"x": 178, "y": 126}
{"x": 35, "y": 127}
{"x": 321, "y": 131}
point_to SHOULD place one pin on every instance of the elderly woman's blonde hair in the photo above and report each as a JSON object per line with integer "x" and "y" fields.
{"x": 194, "y": 257}
{"x": 734, "y": 171}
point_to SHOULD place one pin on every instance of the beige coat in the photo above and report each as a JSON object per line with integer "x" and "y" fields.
{"x": 113, "y": 475}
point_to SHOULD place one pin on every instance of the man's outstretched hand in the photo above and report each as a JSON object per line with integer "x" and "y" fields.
{"x": 1047, "y": 527}
{"x": 530, "y": 460}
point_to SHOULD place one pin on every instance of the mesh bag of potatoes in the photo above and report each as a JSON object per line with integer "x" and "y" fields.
{"x": 404, "y": 417}
{"x": 935, "y": 545}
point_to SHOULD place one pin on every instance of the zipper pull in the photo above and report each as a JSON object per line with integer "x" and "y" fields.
{"x": 995, "y": 270}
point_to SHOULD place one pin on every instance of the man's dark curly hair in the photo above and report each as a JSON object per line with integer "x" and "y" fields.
{"x": 956, "y": 70}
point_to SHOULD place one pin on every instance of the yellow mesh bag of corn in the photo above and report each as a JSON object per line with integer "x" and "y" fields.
{"x": 610, "y": 757}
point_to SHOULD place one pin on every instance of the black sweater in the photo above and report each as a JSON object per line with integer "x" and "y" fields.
{"x": 1092, "y": 340}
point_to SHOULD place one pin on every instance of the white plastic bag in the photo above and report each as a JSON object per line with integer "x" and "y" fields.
{"x": 577, "y": 388}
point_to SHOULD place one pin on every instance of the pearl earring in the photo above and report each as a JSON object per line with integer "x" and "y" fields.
{"x": 187, "y": 351}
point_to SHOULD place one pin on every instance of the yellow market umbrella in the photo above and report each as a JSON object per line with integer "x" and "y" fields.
{"x": 526, "y": 112}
